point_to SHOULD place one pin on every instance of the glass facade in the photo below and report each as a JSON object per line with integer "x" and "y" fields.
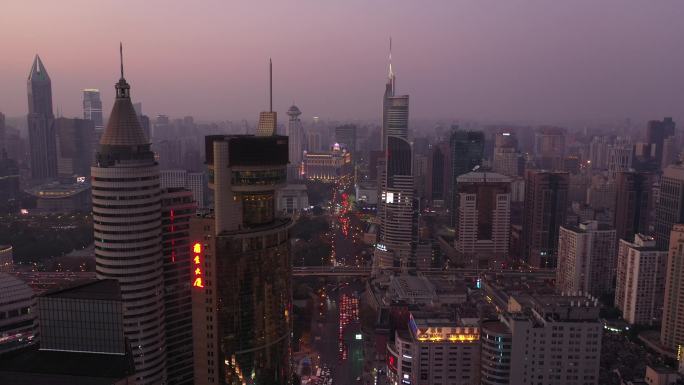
{"x": 254, "y": 304}
{"x": 81, "y": 325}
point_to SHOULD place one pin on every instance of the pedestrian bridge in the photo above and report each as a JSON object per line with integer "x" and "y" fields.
{"x": 353, "y": 271}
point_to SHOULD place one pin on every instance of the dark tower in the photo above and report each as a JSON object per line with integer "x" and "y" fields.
{"x": 41, "y": 132}
{"x": 467, "y": 151}
{"x": 632, "y": 203}
{"x": 546, "y": 200}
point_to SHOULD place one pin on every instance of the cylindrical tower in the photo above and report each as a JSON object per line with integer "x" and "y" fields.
{"x": 495, "y": 359}
{"x": 127, "y": 222}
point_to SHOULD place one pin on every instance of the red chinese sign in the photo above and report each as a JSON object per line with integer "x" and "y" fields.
{"x": 197, "y": 280}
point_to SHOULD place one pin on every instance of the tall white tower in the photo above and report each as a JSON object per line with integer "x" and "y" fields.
{"x": 127, "y": 222}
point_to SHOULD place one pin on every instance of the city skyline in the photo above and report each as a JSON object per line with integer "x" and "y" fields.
{"x": 457, "y": 60}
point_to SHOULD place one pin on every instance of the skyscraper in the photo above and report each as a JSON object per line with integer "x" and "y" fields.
{"x": 92, "y": 107}
{"x": 395, "y": 207}
{"x": 549, "y": 148}
{"x": 507, "y": 160}
{"x": 640, "y": 280}
{"x": 395, "y": 109}
{"x": 586, "y": 259}
{"x": 467, "y": 151}
{"x": 127, "y": 223}
{"x": 295, "y": 133}
{"x": 670, "y": 208}
{"x": 41, "y": 131}
{"x": 268, "y": 120}
{"x": 439, "y": 174}
{"x": 633, "y": 197}
{"x": 483, "y": 223}
{"x": 177, "y": 209}
{"x": 297, "y": 142}
{"x": 345, "y": 135}
{"x": 74, "y": 147}
{"x": 656, "y": 133}
{"x": 672, "y": 329}
{"x": 241, "y": 281}
{"x": 546, "y": 201}
{"x": 619, "y": 157}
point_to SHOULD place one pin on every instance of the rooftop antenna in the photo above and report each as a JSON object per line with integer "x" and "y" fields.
{"x": 121, "y": 58}
{"x": 270, "y": 85}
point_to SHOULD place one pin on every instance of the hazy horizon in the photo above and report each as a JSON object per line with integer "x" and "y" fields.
{"x": 513, "y": 61}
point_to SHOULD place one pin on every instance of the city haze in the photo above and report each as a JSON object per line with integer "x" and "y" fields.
{"x": 516, "y": 60}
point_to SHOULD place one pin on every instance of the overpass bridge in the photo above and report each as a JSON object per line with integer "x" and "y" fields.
{"x": 353, "y": 271}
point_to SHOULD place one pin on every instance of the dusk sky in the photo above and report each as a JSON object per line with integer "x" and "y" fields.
{"x": 487, "y": 60}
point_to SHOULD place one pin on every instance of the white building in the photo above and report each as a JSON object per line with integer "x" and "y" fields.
{"x": 586, "y": 259}
{"x": 193, "y": 181}
{"x": 483, "y": 219}
{"x": 127, "y": 225}
{"x": 619, "y": 158}
{"x": 292, "y": 198}
{"x": 437, "y": 350}
{"x": 640, "y": 285}
{"x": 557, "y": 343}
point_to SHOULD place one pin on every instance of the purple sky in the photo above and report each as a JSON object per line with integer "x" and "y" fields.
{"x": 476, "y": 59}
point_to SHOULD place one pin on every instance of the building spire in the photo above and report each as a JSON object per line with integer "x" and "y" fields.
{"x": 123, "y": 90}
{"x": 391, "y": 73}
{"x": 270, "y": 85}
{"x": 121, "y": 58}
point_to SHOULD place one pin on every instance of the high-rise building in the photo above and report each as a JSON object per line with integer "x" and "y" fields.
{"x": 395, "y": 109}
{"x": 495, "y": 357}
{"x": 466, "y": 153}
{"x": 670, "y": 207}
{"x": 74, "y": 147}
{"x": 438, "y": 180}
{"x": 656, "y": 133}
{"x": 92, "y": 107}
{"x": 586, "y": 259}
{"x": 598, "y": 152}
{"x": 557, "y": 342}
{"x": 242, "y": 268}
{"x": 296, "y": 138}
{"x": 672, "y": 327}
{"x": 546, "y": 201}
{"x": 395, "y": 207}
{"x": 640, "y": 280}
{"x": 193, "y": 181}
{"x": 127, "y": 224}
{"x": 177, "y": 209}
{"x": 549, "y": 148}
{"x": 268, "y": 120}
{"x": 507, "y": 160}
{"x": 41, "y": 131}
{"x": 619, "y": 157}
{"x": 632, "y": 203}
{"x": 436, "y": 349}
{"x": 483, "y": 216}
{"x": 345, "y": 135}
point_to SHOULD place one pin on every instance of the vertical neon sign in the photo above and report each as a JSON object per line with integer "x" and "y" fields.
{"x": 197, "y": 265}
